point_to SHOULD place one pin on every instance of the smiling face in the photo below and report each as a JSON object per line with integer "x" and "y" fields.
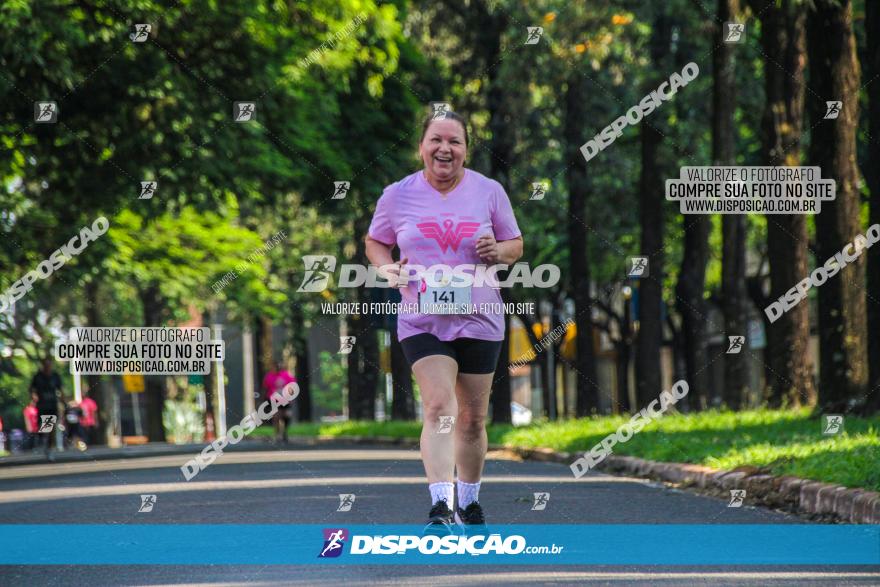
{"x": 443, "y": 148}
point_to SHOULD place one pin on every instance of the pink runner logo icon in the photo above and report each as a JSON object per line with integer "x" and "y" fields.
{"x": 448, "y": 236}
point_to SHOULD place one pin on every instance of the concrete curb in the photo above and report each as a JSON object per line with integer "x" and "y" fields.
{"x": 858, "y": 506}
{"x": 809, "y": 497}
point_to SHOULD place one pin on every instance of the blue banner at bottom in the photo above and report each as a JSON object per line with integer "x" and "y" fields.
{"x": 525, "y": 544}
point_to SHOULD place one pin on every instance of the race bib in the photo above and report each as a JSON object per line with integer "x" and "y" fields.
{"x": 447, "y": 298}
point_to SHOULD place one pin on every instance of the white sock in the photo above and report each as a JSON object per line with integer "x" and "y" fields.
{"x": 442, "y": 490}
{"x": 468, "y": 493}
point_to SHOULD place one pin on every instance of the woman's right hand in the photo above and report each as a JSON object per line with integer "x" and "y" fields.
{"x": 391, "y": 273}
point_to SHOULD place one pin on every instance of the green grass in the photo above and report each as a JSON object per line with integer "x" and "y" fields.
{"x": 783, "y": 442}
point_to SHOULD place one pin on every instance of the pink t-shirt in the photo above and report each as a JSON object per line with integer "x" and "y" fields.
{"x": 31, "y": 417}
{"x": 431, "y": 230}
{"x": 274, "y": 382}
{"x": 89, "y": 407}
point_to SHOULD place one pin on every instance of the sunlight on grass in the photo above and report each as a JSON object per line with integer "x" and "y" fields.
{"x": 784, "y": 442}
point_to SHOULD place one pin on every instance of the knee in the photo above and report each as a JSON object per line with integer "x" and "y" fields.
{"x": 471, "y": 423}
{"x": 433, "y": 409}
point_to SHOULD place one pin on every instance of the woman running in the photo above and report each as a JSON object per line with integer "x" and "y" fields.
{"x": 447, "y": 214}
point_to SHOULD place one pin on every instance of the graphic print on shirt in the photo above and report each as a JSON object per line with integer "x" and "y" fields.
{"x": 451, "y": 235}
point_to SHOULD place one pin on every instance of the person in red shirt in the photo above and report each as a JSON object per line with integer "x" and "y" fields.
{"x": 273, "y": 383}
{"x": 89, "y": 420}
{"x": 31, "y": 418}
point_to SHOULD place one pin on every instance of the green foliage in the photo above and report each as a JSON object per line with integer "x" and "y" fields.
{"x": 182, "y": 255}
{"x": 183, "y": 421}
{"x": 328, "y": 395}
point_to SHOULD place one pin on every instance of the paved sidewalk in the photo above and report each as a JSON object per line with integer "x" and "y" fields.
{"x": 153, "y": 449}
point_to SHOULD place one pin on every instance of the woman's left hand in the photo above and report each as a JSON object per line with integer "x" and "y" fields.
{"x": 487, "y": 248}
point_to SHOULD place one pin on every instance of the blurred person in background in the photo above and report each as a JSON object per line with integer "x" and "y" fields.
{"x": 274, "y": 381}
{"x": 46, "y": 384}
{"x": 31, "y": 422}
{"x": 73, "y": 431}
{"x": 89, "y": 420}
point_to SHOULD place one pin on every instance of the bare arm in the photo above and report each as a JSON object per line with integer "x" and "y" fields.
{"x": 509, "y": 252}
{"x": 505, "y": 252}
{"x": 378, "y": 253}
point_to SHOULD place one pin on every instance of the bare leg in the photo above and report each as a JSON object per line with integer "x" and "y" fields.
{"x": 471, "y": 442}
{"x": 435, "y": 375}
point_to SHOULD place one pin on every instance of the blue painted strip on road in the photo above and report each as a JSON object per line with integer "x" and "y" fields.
{"x": 607, "y": 544}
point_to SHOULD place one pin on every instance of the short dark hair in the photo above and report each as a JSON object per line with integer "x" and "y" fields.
{"x": 448, "y": 115}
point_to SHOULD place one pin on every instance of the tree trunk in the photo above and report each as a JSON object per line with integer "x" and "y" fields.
{"x": 299, "y": 340}
{"x": 363, "y": 369}
{"x": 733, "y": 274}
{"x": 501, "y": 123}
{"x": 690, "y": 287}
{"x": 651, "y": 204}
{"x": 587, "y": 393}
{"x": 692, "y": 307}
{"x": 264, "y": 350}
{"x": 363, "y": 362}
{"x": 101, "y": 394}
{"x": 402, "y": 402}
{"x": 304, "y": 380}
{"x": 650, "y": 333}
{"x": 872, "y": 175}
{"x": 834, "y": 75}
{"x": 783, "y": 38}
{"x": 209, "y": 386}
{"x": 155, "y": 384}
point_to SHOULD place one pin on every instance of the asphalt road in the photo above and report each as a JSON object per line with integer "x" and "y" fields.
{"x": 302, "y": 485}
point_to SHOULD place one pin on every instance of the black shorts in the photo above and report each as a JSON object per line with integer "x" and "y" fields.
{"x": 473, "y": 356}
